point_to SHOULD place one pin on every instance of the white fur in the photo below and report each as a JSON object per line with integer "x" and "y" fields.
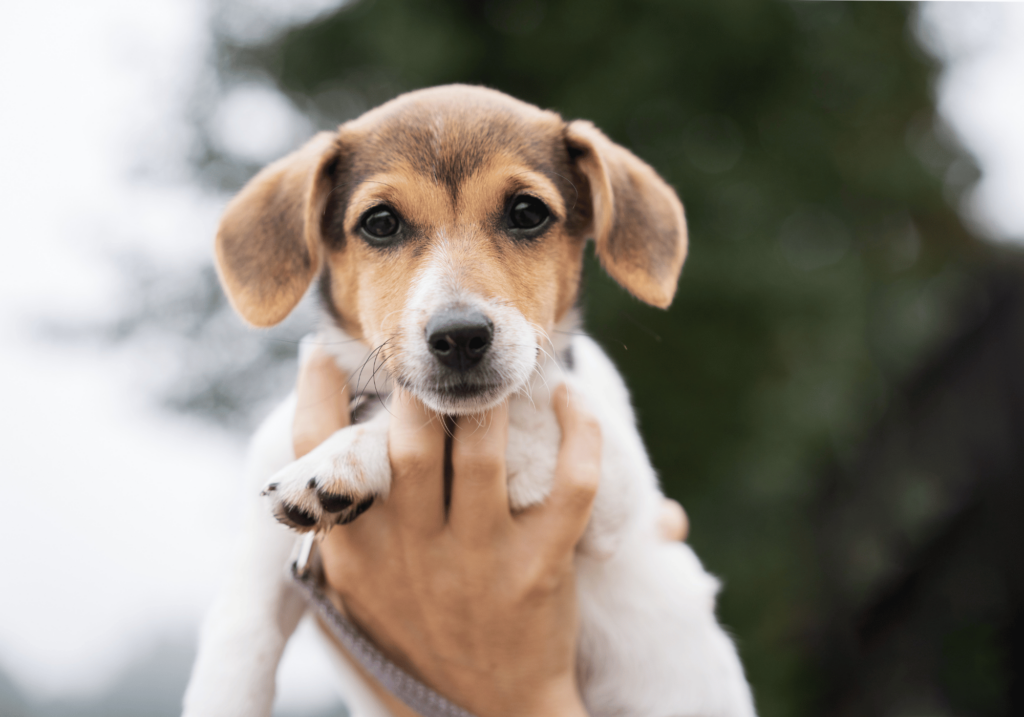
{"x": 511, "y": 358}
{"x": 649, "y": 641}
{"x": 353, "y": 462}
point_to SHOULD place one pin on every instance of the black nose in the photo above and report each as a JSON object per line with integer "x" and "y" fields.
{"x": 459, "y": 337}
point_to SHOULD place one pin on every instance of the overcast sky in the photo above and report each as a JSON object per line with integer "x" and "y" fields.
{"x": 119, "y": 514}
{"x": 981, "y": 95}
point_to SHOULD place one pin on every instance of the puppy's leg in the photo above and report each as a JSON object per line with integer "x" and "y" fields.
{"x": 258, "y": 608}
{"x": 337, "y": 481}
{"x": 650, "y": 644}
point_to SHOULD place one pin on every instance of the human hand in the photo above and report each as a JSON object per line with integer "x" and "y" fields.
{"x": 673, "y": 523}
{"x": 479, "y": 604}
{"x": 322, "y": 409}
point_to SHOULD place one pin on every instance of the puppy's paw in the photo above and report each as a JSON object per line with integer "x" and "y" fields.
{"x": 335, "y": 483}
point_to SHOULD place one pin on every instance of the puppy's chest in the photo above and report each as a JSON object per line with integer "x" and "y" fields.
{"x": 534, "y": 437}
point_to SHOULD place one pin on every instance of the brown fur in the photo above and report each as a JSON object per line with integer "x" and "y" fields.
{"x": 448, "y": 160}
{"x": 639, "y": 225}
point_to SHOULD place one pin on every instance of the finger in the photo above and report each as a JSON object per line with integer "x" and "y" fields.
{"x": 673, "y": 525}
{"x": 363, "y": 542}
{"x": 416, "y": 439}
{"x": 321, "y": 406}
{"x": 563, "y": 517}
{"x": 479, "y": 502}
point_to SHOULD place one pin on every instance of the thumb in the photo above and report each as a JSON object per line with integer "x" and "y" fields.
{"x": 321, "y": 406}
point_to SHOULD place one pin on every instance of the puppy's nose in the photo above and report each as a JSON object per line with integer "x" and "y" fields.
{"x": 459, "y": 337}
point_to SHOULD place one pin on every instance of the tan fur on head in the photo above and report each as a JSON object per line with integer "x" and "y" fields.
{"x": 268, "y": 243}
{"x": 448, "y": 161}
{"x": 639, "y": 227}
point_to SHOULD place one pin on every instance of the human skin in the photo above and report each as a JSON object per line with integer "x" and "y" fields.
{"x": 475, "y": 601}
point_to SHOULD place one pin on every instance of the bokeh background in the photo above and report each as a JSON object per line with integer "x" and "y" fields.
{"x": 836, "y": 395}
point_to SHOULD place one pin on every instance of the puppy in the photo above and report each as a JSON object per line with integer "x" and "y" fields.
{"x": 445, "y": 231}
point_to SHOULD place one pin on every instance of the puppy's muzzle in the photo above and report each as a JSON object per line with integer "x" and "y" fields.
{"x": 459, "y": 338}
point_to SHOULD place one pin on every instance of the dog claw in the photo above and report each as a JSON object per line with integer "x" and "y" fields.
{"x": 334, "y": 503}
{"x": 347, "y": 473}
{"x": 351, "y": 515}
{"x": 298, "y": 516}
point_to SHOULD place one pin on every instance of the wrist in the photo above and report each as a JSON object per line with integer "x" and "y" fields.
{"x": 560, "y": 699}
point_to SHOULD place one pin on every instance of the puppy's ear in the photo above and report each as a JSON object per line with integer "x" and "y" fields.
{"x": 268, "y": 243}
{"x": 638, "y": 221}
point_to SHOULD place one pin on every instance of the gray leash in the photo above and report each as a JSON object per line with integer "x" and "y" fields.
{"x": 420, "y": 698}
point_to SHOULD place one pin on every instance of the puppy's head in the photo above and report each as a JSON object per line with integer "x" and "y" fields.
{"x": 447, "y": 228}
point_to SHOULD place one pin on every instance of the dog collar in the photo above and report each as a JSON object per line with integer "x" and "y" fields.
{"x": 420, "y": 698}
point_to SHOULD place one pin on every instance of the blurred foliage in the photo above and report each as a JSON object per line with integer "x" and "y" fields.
{"x": 825, "y": 261}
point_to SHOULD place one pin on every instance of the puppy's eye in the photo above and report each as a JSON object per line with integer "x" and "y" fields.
{"x": 527, "y": 212}
{"x": 380, "y": 223}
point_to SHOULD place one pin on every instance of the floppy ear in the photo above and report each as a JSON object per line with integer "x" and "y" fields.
{"x": 638, "y": 223}
{"x": 268, "y": 243}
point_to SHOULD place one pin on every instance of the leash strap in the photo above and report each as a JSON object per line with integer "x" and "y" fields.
{"x": 420, "y": 698}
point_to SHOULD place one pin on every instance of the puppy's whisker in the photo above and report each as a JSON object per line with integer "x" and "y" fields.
{"x": 350, "y": 383}
{"x": 371, "y": 355}
{"x": 313, "y": 342}
{"x": 547, "y": 387}
{"x": 448, "y": 426}
{"x": 573, "y": 185}
{"x": 554, "y": 352}
{"x": 544, "y": 335}
{"x": 373, "y": 376}
{"x": 359, "y": 373}
{"x": 375, "y": 354}
{"x": 523, "y": 393}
